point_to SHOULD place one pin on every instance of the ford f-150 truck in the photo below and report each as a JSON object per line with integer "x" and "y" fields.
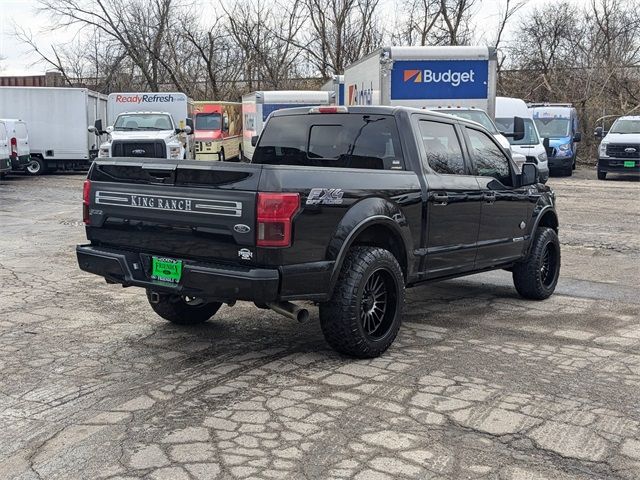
{"x": 342, "y": 207}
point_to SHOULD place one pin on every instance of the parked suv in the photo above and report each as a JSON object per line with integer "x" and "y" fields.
{"x": 619, "y": 150}
{"x": 343, "y": 207}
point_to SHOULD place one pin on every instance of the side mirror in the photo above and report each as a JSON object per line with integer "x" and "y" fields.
{"x": 188, "y": 130}
{"x": 190, "y": 124}
{"x": 599, "y": 132}
{"x": 519, "y": 160}
{"x": 92, "y": 129}
{"x": 529, "y": 175}
{"x": 109, "y": 129}
{"x": 577, "y": 137}
{"x": 254, "y": 140}
{"x": 518, "y": 129}
{"x": 97, "y": 128}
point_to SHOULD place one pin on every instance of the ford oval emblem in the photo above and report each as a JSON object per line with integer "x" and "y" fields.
{"x": 138, "y": 151}
{"x": 630, "y": 150}
{"x": 242, "y": 228}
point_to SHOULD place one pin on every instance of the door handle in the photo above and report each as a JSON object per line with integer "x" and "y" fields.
{"x": 440, "y": 198}
{"x": 489, "y": 197}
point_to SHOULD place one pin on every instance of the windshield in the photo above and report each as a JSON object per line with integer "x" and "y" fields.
{"x": 553, "y": 127}
{"x": 141, "y": 121}
{"x": 625, "y": 125}
{"x": 478, "y": 116}
{"x": 530, "y": 134}
{"x": 208, "y": 121}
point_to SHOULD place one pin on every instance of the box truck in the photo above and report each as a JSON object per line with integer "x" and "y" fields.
{"x": 218, "y": 130}
{"x": 425, "y": 77}
{"x": 147, "y": 125}
{"x": 257, "y": 106}
{"x": 5, "y": 161}
{"x": 57, "y": 119}
{"x": 335, "y": 85}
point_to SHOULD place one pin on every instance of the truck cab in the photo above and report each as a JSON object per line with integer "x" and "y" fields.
{"x": 558, "y": 122}
{"x": 145, "y": 135}
{"x": 619, "y": 150}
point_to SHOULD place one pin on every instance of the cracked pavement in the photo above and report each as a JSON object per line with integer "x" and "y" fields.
{"x": 479, "y": 383}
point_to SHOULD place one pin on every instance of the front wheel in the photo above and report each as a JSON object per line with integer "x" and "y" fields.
{"x": 537, "y": 275}
{"x": 602, "y": 175}
{"x": 364, "y": 314}
{"x": 221, "y": 156}
{"x": 182, "y": 310}
{"x": 37, "y": 167}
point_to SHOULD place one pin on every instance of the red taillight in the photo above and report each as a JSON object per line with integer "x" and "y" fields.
{"x": 86, "y": 198}
{"x": 330, "y": 109}
{"x": 274, "y": 212}
{"x": 14, "y": 146}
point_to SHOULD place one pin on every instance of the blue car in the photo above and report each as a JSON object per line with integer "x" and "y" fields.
{"x": 557, "y": 124}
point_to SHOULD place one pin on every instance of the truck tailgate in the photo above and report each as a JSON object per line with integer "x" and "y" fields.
{"x": 188, "y": 209}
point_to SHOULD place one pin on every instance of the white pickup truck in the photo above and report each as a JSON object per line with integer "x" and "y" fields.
{"x": 147, "y": 126}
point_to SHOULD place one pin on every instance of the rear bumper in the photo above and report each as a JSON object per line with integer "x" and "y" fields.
{"x": 616, "y": 165}
{"x": 215, "y": 282}
{"x": 20, "y": 163}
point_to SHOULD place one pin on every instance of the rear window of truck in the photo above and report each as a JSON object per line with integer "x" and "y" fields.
{"x": 331, "y": 140}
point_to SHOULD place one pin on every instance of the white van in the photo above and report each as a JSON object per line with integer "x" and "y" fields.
{"x": 531, "y": 146}
{"x": 5, "y": 162}
{"x": 18, "y": 135}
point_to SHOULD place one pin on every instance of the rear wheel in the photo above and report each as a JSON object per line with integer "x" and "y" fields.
{"x": 602, "y": 175}
{"x": 364, "y": 314}
{"x": 36, "y": 167}
{"x": 180, "y": 309}
{"x": 537, "y": 276}
{"x": 221, "y": 156}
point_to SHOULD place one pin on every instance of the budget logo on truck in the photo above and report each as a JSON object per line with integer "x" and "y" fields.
{"x": 439, "y": 79}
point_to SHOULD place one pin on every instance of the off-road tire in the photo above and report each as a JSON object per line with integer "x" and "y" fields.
{"x": 39, "y": 162}
{"x": 530, "y": 277}
{"x": 602, "y": 175}
{"x": 175, "y": 309}
{"x": 342, "y": 317}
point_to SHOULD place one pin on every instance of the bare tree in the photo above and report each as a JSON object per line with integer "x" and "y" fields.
{"x": 455, "y": 26}
{"x": 422, "y": 17}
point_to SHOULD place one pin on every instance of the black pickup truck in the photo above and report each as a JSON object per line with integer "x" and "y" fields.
{"x": 344, "y": 208}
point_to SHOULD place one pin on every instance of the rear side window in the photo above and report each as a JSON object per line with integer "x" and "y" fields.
{"x": 331, "y": 140}
{"x": 490, "y": 161}
{"x": 442, "y": 147}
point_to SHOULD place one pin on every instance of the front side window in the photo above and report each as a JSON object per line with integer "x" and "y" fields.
{"x": 331, "y": 140}
{"x": 490, "y": 161}
{"x": 442, "y": 147}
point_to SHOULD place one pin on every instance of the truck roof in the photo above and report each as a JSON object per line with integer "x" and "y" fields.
{"x": 290, "y": 96}
{"x": 376, "y": 110}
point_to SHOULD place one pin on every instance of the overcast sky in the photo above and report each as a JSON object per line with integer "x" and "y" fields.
{"x": 20, "y": 61}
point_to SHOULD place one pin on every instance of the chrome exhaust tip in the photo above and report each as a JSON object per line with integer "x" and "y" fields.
{"x": 290, "y": 310}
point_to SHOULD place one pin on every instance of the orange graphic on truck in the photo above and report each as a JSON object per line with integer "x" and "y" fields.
{"x": 218, "y": 130}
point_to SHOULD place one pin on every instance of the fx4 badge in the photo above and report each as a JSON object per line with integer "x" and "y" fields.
{"x": 325, "y": 196}
{"x": 245, "y": 254}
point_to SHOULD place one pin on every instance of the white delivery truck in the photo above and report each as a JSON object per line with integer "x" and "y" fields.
{"x": 425, "y": 77}
{"x": 57, "y": 119}
{"x": 336, "y": 85}
{"x": 147, "y": 125}
{"x": 5, "y": 161}
{"x": 257, "y": 106}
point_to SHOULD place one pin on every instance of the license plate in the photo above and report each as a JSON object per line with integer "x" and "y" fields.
{"x": 166, "y": 269}
{"x": 630, "y": 164}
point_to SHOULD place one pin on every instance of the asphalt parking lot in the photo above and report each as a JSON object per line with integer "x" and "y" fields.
{"x": 479, "y": 384}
